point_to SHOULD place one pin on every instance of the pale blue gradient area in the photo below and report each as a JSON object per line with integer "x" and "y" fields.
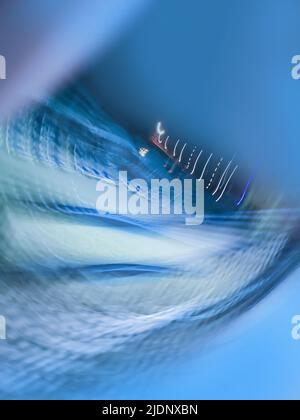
{"x": 254, "y": 357}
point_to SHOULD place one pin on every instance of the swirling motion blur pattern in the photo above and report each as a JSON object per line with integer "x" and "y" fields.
{"x": 90, "y": 298}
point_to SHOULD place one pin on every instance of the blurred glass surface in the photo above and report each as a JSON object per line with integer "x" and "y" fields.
{"x": 142, "y": 307}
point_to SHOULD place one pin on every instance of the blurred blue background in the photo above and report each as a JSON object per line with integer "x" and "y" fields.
{"x": 219, "y": 75}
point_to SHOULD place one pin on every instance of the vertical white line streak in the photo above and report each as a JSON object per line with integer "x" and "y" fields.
{"x": 166, "y": 142}
{"x": 180, "y": 157}
{"x": 221, "y": 179}
{"x": 205, "y": 166}
{"x": 196, "y": 161}
{"x": 227, "y": 184}
{"x": 174, "y": 151}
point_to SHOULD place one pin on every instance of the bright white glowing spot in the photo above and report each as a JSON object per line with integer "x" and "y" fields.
{"x": 160, "y": 131}
{"x": 143, "y": 151}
